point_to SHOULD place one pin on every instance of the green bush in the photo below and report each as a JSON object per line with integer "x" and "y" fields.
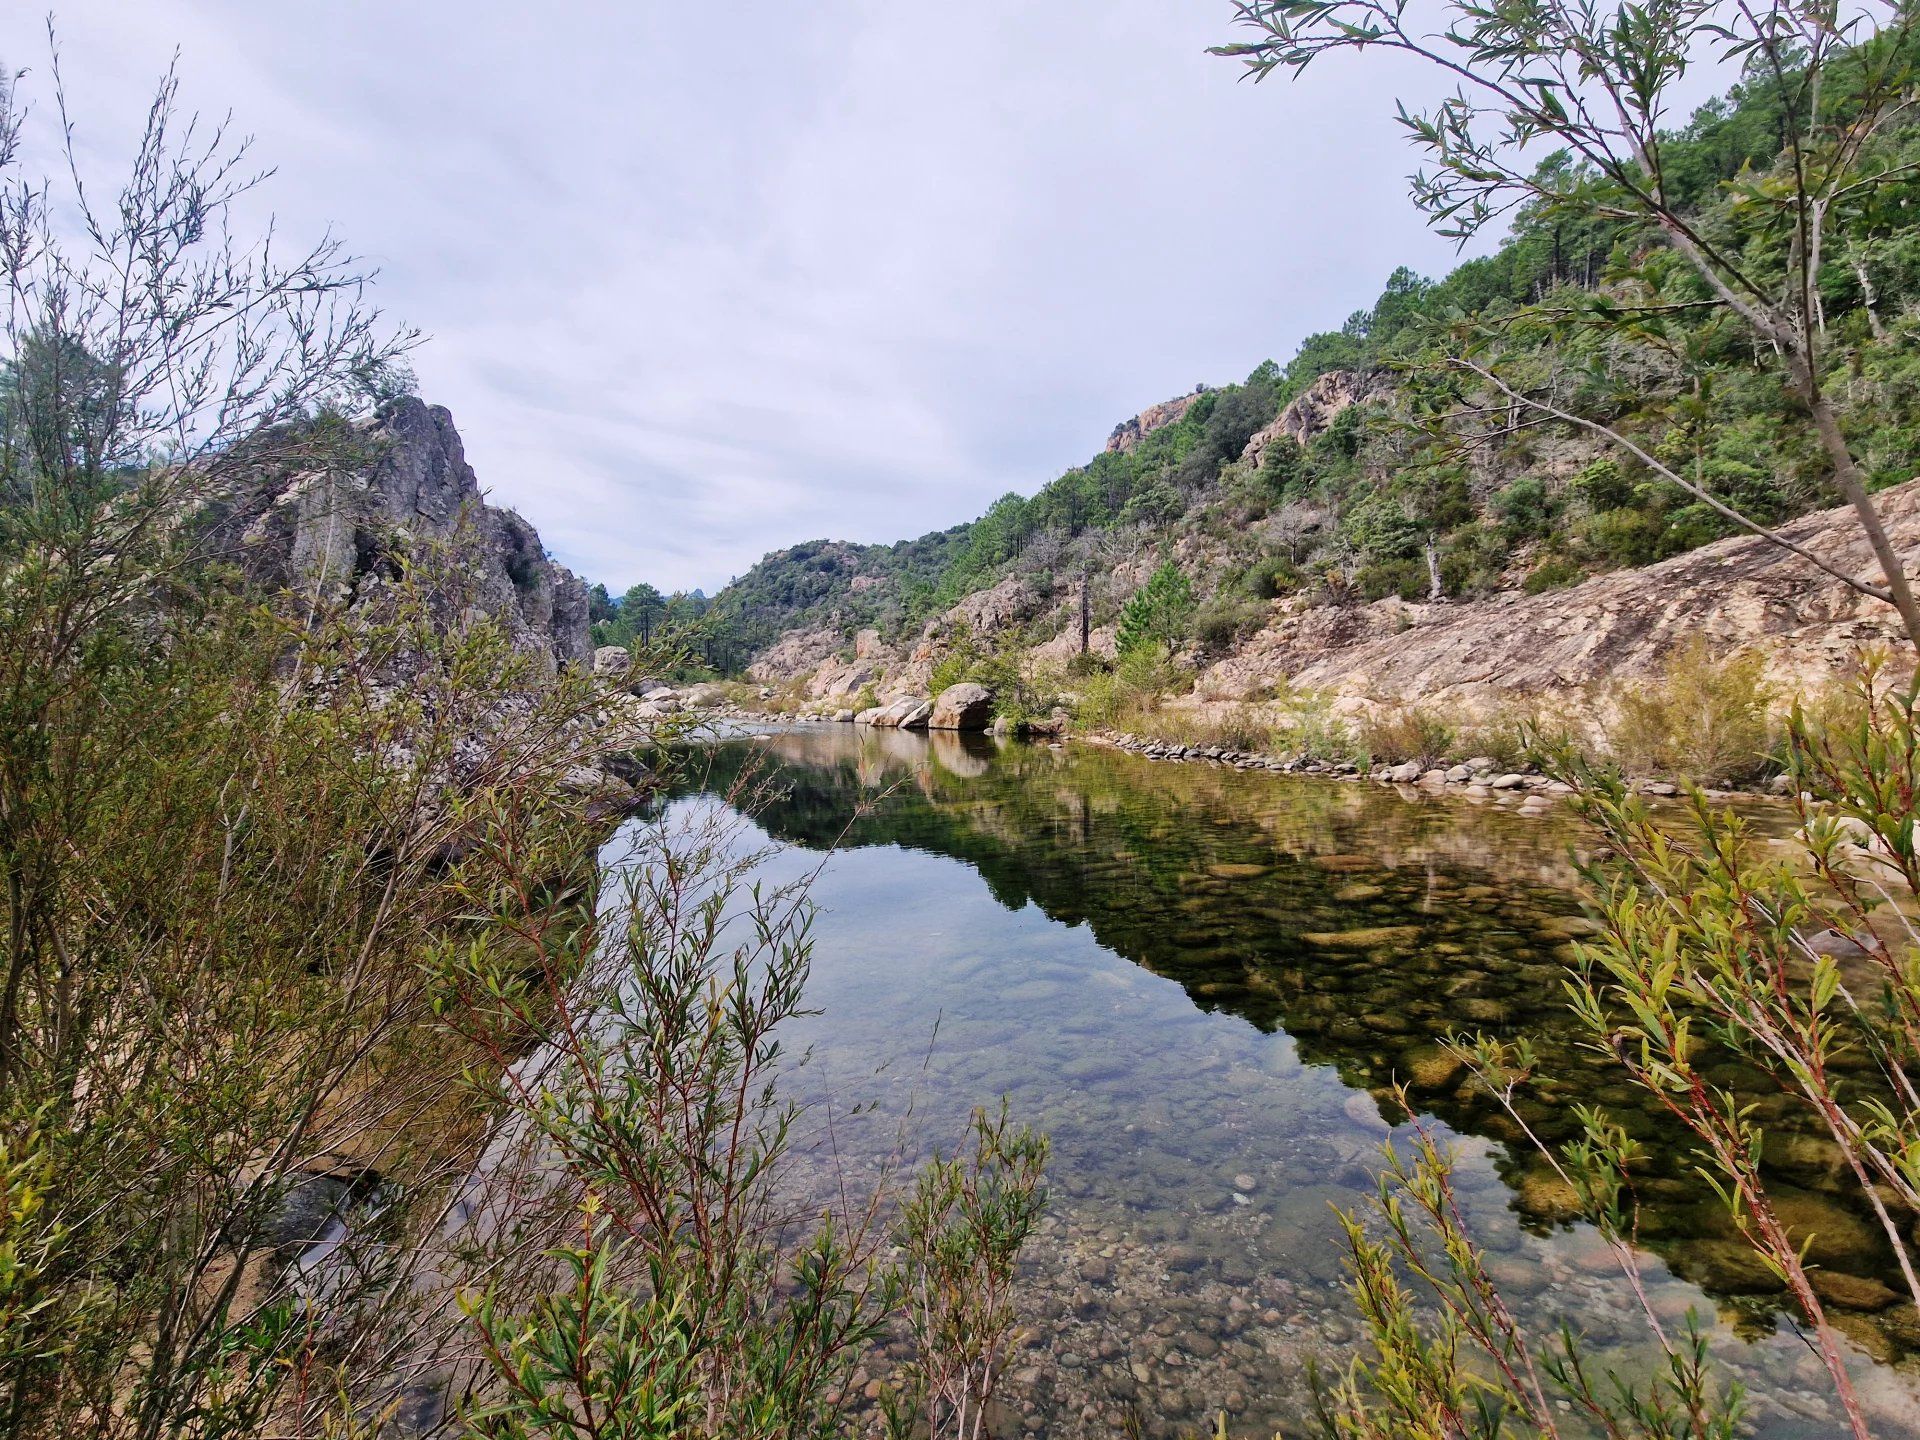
{"x": 1526, "y": 510}
{"x": 1554, "y": 573}
{"x": 1223, "y": 620}
{"x": 1602, "y": 486}
{"x": 1624, "y": 537}
{"x": 1406, "y": 578}
{"x": 1270, "y": 576}
{"x": 1406, "y": 732}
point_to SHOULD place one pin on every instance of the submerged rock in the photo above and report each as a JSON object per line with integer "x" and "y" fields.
{"x": 1364, "y": 939}
{"x": 1544, "y": 1195}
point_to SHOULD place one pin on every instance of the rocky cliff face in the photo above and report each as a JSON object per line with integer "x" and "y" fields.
{"x": 1129, "y": 433}
{"x": 1614, "y": 629}
{"x": 1576, "y": 645}
{"x": 338, "y": 536}
{"x": 1315, "y": 408}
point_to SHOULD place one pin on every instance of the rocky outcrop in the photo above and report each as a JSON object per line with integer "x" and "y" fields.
{"x": 965, "y": 706}
{"x": 1613, "y": 629}
{"x": 1129, "y": 433}
{"x": 340, "y": 536}
{"x": 838, "y": 679}
{"x": 796, "y": 653}
{"x": 907, "y": 714}
{"x": 1314, "y": 409}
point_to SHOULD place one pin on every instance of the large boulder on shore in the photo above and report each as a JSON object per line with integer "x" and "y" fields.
{"x": 612, "y": 660}
{"x": 907, "y": 714}
{"x": 966, "y": 706}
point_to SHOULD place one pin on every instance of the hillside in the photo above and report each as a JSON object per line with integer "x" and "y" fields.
{"x": 1365, "y": 470}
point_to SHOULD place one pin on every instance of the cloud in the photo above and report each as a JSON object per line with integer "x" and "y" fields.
{"x": 703, "y": 281}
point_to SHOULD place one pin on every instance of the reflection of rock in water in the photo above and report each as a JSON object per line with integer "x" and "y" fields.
{"x": 961, "y": 753}
{"x": 1370, "y": 925}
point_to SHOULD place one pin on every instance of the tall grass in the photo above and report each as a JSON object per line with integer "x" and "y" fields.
{"x": 1705, "y": 718}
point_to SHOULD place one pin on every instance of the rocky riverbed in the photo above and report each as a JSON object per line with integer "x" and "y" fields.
{"x": 1204, "y": 983}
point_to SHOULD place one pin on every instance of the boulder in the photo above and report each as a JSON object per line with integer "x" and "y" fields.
{"x": 611, "y": 660}
{"x": 918, "y": 713}
{"x": 965, "y": 706}
{"x": 1404, "y": 774}
{"x": 870, "y": 716}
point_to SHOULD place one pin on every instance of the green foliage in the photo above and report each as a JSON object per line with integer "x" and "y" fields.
{"x": 961, "y": 1233}
{"x": 1158, "y": 617}
{"x": 1526, "y": 511}
{"x": 1270, "y": 577}
{"x": 1405, "y": 578}
{"x": 691, "y": 1305}
{"x": 1553, "y": 573}
{"x": 1136, "y": 682}
{"x": 1018, "y": 696}
{"x": 1221, "y": 621}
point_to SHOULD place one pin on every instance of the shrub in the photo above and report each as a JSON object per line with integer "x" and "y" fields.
{"x": 1270, "y": 576}
{"x": 1703, "y": 718}
{"x": 1311, "y": 729}
{"x": 1135, "y": 684}
{"x": 1473, "y": 561}
{"x": 1551, "y": 574}
{"x": 1521, "y": 733}
{"x": 1406, "y": 732}
{"x": 1603, "y": 486}
{"x": 1625, "y": 537}
{"x": 1223, "y": 620}
{"x": 1526, "y": 509}
{"x": 1406, "y": 578}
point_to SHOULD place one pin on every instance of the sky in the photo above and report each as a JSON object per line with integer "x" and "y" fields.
{"x": 702, "y": 281}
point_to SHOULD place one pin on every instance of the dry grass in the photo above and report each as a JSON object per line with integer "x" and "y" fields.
{"x": 1705, "y": 718}
{"x": 1407, "y": 732}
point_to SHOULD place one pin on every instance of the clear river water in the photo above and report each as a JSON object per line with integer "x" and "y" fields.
{"x": 1202, "y": 983}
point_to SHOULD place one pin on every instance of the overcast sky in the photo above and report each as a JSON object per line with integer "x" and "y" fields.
{"x": 701, "y": 281}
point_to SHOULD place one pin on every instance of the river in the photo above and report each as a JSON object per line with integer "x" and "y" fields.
{"x": 1203, "y": 983}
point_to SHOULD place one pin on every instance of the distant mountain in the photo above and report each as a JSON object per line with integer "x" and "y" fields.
{"x": 1365, "y": 470}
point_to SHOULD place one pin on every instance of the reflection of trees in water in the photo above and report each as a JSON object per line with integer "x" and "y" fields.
{"x": 1369, "y": 924}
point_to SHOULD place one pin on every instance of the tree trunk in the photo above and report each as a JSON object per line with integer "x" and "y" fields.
{"x": 1869, "y": 298}
{"x": 1434, "y": 593}
{"x": 1853, "y": 489}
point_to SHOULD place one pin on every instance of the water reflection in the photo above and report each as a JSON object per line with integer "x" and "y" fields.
{"x": 1203, "y": 984}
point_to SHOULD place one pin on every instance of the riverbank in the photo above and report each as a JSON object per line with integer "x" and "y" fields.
{"x": 1478, "y": 777}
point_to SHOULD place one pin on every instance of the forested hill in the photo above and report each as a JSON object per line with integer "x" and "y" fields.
{"x": 1365, "y": 467}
